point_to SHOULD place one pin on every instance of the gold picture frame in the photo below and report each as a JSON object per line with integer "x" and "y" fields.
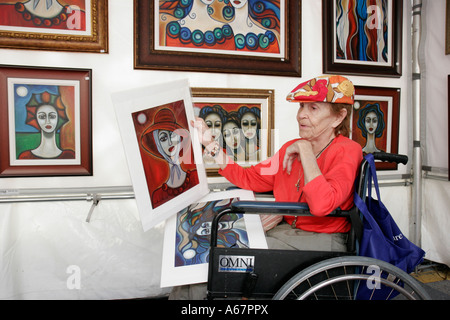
{"x": 75, "y": 28}
{"x": 235, "y": 106}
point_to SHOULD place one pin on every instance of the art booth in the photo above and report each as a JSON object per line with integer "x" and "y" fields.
{"x": 93, "y": 204}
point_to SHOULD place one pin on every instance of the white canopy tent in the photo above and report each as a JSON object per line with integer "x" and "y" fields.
{"x": 45, "y": 239}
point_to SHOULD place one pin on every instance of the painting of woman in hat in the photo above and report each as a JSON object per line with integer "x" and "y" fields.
{"x": 165, "y": 147}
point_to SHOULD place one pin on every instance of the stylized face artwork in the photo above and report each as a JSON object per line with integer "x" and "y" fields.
{"x": 238, "y": 3}
{"x": 47, "y": 118}
{"x": 170, "y": 142}
{"x": 249, "y": 125}
{"x": 214, "y": 123}
{"x": 231, "y": 134}
{"x": 371, "y": 122}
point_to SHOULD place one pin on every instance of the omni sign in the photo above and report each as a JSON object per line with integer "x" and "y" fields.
{"x": 236, "y": 263}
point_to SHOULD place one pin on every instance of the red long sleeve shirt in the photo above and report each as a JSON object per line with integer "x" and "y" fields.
{"x": 339, "y": 165}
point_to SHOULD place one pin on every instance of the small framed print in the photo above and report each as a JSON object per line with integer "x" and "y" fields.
{"x": 164, "y": 158}
{"x": 362, "y": 37}
{"x": 241, "y": 120}
{"x": 59, "y": 25}
{"x": 375, "y": 121}
{"x": 45, "y": 122}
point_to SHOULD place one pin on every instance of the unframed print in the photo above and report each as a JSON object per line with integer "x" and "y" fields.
{"x": 187, "y": 236}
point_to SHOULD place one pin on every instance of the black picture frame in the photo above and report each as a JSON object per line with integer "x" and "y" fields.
{"x": 331, "y": 65}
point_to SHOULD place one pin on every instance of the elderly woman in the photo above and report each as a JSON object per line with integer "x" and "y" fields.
{"x": 319, "y": 168}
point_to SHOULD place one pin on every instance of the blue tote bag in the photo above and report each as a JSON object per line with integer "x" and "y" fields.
{"x": 381, "y": 237}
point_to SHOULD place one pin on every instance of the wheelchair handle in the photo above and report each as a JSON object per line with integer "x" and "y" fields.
{"x": 215, "y": 224}
{"x": 390, "y": 157}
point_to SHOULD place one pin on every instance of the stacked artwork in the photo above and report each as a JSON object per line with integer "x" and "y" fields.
{"x": 188, "y": 234}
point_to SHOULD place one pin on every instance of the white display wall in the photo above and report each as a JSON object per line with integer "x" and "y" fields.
{"x": 43, "y": 244}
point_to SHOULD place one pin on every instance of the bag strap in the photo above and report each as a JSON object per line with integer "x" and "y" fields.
{"x": 359, "y": 202}
{"x": 372, "y": 176}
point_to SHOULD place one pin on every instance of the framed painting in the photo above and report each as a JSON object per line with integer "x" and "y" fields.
{"x": 187, "y": 236}
{"x": 241, "y": 120}
{"x": 362, "y": 37}
{"x": 59, "y": 25}
{"x": 447, "y": 27}
{"x": 164, "y": 158}
{"x": 375, "y": 121}
{"x": 246, "y": 37}
{"x": 45, "y": 122}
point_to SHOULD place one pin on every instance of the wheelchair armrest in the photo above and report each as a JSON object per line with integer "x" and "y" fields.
{"x": 270, "y": 207}
{"x": 267, "y": 207}
{"x": 283, "y": 208}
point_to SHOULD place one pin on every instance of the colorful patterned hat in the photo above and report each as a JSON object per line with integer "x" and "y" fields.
{"x": 334, "y": 89}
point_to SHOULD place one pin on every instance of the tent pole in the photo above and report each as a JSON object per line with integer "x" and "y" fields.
{"x": 416, "y": 99}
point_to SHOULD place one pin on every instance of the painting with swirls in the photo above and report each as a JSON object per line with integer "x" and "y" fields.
{"x": 187, "y": 236}
{"x": 61, "y": 16}
{"x": 243, "y": 27}
{"x": 193, "y": 233}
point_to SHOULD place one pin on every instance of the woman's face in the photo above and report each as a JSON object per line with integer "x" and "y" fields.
{"x": 214, "y": 124}
{"x": 238, "y": 3}
{"x": 315, "y": 119}
{"x": 47, "y": 118}
{"x": 371, "y": 122}
{"x": 249, "y": 125}
{"x": 231, "y": 134}
{"x": 170, "y": 142}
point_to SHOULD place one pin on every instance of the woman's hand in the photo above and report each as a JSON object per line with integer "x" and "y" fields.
{"x": 296, "y": 151}
{"x": 302, "y": 151}
{"x": 211, "y": 145}
{"x": 204, "y": 133}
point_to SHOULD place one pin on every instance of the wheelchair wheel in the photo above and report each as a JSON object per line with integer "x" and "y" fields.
{"x": 352, "y": 278}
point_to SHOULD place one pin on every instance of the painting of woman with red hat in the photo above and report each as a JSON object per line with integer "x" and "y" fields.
{"x": 166, "y": 151}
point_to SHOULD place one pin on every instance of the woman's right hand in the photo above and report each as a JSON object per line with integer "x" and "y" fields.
{"x": 206, "y": 139}
{"x": 204, "y": 133}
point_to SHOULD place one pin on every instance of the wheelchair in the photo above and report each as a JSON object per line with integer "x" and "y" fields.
{"x": 245, "y": 273}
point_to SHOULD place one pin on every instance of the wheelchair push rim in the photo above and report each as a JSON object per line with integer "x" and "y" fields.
{"x": 397, "y": 280}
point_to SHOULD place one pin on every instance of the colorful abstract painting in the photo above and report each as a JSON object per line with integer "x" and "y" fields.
{"x": 41, "y": 15}
{"x": 362, "y": 30}
{"x": 188, "y": 234}
{"x": 234, "y": 27}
